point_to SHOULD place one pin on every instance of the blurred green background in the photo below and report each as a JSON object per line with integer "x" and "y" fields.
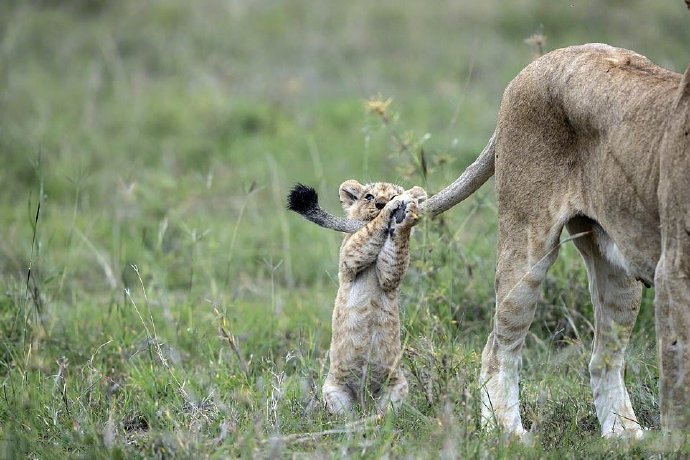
{"x": 147, "y": 149}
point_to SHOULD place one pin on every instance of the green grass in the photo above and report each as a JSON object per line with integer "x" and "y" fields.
{"x": 174, "y": 308}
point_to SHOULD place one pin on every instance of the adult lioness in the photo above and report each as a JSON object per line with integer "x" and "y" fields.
{"x": 594, "y": 139}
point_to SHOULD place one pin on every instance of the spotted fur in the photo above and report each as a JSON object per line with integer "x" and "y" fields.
{"x": 365, "y": 345}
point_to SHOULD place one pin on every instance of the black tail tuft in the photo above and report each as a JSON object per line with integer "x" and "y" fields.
{"x": 302, "y": 199}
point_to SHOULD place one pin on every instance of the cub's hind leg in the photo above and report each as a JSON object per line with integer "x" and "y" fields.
{"x": 393, "y": 393}
{"x": 337, "y": 397}
{"x": 616, "y": 299}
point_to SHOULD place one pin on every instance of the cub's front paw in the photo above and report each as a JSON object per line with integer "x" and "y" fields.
{"x": 404, "y": 216}
{"x": 411, "y": 213}
{"x": 407, "y": 215}
{"x": 399, "y": 213}
{"x": 393, "y": 205}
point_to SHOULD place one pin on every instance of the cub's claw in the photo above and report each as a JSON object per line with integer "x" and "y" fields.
{"x": 399, "y": 213}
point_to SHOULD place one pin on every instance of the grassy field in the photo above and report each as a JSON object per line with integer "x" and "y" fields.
{"x": 158, "y": 301}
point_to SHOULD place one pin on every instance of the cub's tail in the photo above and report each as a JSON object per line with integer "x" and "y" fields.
{"x": 304, "y": 200}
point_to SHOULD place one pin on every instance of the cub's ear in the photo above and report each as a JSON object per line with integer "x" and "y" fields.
{"x": 418, "y": 193}
{"x": 349, "y": 192}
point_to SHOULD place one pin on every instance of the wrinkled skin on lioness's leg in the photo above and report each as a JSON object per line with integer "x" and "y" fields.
{"x": 616, "y": 299}
{"x": 523, "y": 260}
{"x": 672, "y": 278}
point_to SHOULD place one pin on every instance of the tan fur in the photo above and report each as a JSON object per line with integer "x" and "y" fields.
{"x": 672, "y": 277}
{"x": 594, "y": 139}
{"x": 365, "y": 345}
{"x": 580, "y": 144}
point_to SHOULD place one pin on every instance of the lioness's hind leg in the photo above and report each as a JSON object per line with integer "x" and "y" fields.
{"x": 616, "y": 300}
{"x": 524, "y": 256}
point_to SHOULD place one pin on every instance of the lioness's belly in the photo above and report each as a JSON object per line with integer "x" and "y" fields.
{"x": 623, "y": 200}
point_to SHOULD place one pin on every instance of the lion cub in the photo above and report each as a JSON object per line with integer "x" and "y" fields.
{"x": 365, "y": 346}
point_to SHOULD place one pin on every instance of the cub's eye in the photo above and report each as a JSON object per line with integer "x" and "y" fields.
{"x": 369, "y": 197}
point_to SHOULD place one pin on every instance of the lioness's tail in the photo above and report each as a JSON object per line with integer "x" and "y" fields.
{"x": 469, "y": 181}
{"x": 305, "y": 201}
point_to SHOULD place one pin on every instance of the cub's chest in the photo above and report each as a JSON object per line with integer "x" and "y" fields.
{"x": 365, "y": 306}
{"x": 364, "y": 288}
{"x": 366, "y": 326}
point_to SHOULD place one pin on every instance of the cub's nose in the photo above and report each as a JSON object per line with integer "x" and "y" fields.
{"x": 380, "y": 205}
